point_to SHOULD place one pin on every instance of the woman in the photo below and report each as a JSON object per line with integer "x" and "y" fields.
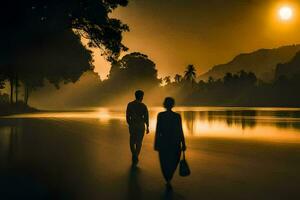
{"x": 169, "y": 140}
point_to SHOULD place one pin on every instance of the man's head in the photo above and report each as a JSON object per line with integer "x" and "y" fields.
{"x": 139, "y": 95}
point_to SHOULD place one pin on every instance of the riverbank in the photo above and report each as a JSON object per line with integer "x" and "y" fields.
{"x": 19, "y": 108}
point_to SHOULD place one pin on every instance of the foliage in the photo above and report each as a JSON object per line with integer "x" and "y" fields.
{"x": 41, "y": 39}
{"x": 240, "y": 89}
{"x": 88, "y": 18}
{"x": 133, "y": 70}
{"x": 167, "y": 80}
{"x": 178, "y": 78}
{"x": 190, "y": 73}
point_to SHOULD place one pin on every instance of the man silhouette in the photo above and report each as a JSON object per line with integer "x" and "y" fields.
{"x": 137, "y": 116}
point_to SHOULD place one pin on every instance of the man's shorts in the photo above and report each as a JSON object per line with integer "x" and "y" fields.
{"x": 137, "y": 133}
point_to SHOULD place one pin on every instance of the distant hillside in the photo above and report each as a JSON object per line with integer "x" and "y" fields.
{"x": 289, "y": 69}
{"x": 262, "y": 62}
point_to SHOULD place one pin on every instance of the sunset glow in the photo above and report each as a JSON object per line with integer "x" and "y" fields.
{"x": 150, "y": 99}
{"x": 285, "y": 13}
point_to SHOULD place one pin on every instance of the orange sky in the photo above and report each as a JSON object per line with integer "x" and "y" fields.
{"x": 176, "y": 33}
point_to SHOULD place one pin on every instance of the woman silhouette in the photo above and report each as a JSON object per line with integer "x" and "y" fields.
{"x": 169, "y": 140}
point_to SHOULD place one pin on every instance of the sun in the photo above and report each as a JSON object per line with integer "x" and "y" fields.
{"x": 285, "y": 13}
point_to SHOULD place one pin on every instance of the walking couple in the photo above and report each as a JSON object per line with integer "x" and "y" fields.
{"x": 169, "y": 137}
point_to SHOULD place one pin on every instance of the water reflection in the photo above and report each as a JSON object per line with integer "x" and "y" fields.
{"x": 272, "y": 123}
{"x": 9, "y": 139}
{"x": 275, "y": 124}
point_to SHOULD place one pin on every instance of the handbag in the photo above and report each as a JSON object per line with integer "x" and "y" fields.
{"x": 184, "y": 169}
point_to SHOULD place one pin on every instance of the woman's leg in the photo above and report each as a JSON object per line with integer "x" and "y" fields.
{"x": 164, "y": 164}
{"x": 168, "y": 164}
{"x": 169, "y": 161}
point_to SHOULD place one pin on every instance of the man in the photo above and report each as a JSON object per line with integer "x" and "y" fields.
{"x": 137, "y": 116}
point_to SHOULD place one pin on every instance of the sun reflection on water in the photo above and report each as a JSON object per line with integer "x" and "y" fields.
{"x": 266, "y": 124}
{"x": 274, "y": 124}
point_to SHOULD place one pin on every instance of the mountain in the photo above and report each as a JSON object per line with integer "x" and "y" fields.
{"x": 262, "y": 62}
{"x": 289, "y": 69}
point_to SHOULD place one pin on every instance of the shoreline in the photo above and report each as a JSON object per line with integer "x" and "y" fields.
{"x": 20, "y": 108}
{"x": 7, "y": 110}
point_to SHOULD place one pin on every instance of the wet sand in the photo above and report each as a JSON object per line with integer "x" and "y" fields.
{"x": 80, "y": 158}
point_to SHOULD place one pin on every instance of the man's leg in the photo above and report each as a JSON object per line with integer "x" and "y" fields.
{"x": 132, "y": 144}
{"x": 133, "y": 148}
{"x": 139, "y": 143}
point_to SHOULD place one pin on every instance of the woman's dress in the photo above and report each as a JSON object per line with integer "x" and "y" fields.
{"x": 168, "y": 140}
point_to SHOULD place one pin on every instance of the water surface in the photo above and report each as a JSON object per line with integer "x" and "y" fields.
{"x": 281, "y": 124}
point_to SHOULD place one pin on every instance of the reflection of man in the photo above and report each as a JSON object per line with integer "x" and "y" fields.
{"x": 137, "y": 117}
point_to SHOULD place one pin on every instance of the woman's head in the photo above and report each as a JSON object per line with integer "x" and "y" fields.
{"x": 169, "y": 103}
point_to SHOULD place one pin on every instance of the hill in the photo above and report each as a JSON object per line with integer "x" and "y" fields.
{"x": 262, "y": 62}
{"x": 289, "y": 69}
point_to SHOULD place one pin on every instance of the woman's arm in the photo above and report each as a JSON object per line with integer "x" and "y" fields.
{"x": 157, "y": 134}
{"x": 128, "y": 114}
{"x": 182, "y": 140}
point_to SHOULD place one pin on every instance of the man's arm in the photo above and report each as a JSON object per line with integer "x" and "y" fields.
{"x": 146, "y": 116}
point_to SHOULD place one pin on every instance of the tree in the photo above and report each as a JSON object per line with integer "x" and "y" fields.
{"x": 167, "y": 80}
{"x": 202, "y": 85}
{"x": 247, "y": 79}
{"x": 90, "y": 19}
{"x": 210, "y": 81}
{"x": 178, "y": 78}
{"x": 67, "y": 63}
{"x": 31, "y": 28}
{"x": 289, "y": 69}
{"x": 190, "y": 74}
{"x": 134, "y": 70}
{"x": 2, "y": 82}
{"x": 59, "y": 59}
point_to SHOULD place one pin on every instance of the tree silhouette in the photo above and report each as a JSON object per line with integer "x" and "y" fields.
{"x": 134, "y": 70}
{"x": 190, "y": 73}
{"x": 167, "y": 80}
{"x": 57, "y": 58}
{"x": 2, "y": 82}
{"x": 32, "y": 29}
{"x": 178, "y": 78}
{"x": 90, "y": 19}
{"x": 289, "y": 69}
{"x": 69, "y": 66}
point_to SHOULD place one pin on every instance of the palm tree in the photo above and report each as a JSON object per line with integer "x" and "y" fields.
{"x": 167, "y": 80}
{"x": 190, "y": 73}
{"x": 177, "y": 78}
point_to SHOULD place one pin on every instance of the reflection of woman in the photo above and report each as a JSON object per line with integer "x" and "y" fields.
{"x": 169, "y": 140}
